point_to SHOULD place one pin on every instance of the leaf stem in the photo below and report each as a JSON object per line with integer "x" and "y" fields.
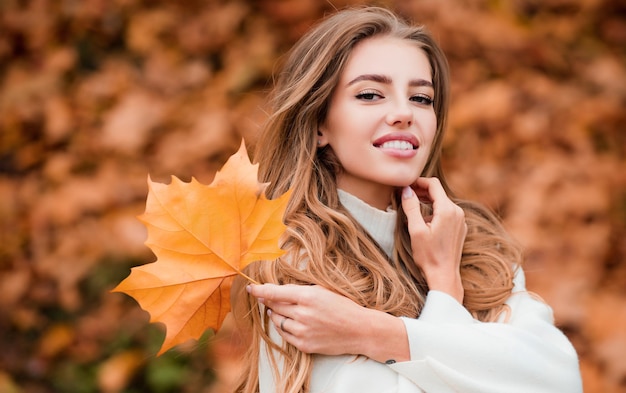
{"x": 248, "y": 278}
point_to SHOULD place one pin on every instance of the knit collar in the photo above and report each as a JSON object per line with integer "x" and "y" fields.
{"x": 380, "y": 224}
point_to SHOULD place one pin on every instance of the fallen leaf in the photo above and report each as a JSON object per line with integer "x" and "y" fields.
{"x": 56, "y": 339}
{"x": 203, "y": 236}
{"x": 115, "y": 373}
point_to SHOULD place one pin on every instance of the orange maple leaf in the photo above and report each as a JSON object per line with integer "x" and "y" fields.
{"x": 203, "y": 236}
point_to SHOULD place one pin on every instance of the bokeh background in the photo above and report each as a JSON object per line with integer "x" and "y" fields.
{"x": 97, "y": 94}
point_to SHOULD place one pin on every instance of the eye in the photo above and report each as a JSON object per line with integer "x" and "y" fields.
{"x": 369, "y": 95}
{"x": 422, "y": 99}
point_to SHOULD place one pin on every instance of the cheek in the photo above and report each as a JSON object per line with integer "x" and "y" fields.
{"x": 332, "y": 125}
{"x": 431, "y": 129}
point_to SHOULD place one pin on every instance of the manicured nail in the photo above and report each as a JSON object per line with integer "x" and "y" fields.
{"x": 248, "y": 288}
{"x": 269, "y": 312}
{"x": 407, "y": 192}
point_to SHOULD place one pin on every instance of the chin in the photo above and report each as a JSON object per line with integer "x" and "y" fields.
{"x": 401, "y": 183}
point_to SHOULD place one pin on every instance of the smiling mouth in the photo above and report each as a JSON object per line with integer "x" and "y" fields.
{"x": 397, "y": 145}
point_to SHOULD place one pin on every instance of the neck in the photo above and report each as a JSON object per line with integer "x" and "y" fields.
{"x": 375, "y": 195}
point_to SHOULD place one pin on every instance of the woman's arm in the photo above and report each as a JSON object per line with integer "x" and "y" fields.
{"x": 448, "y": 350}
{"x": 317, "y": 320}
{"x": 451, "y": 351}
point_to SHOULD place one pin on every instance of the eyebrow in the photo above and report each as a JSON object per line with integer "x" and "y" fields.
{"x": 387, "y": 80}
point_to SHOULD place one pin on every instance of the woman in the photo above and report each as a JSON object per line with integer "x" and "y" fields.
{"x": 389, "y": 283}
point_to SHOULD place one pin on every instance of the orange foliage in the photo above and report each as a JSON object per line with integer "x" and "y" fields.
{"x": 203, "y": 236}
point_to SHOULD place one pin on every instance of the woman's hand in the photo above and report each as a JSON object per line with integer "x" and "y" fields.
{"x": 317, "y": 320}
{"x": 437, "y": 241}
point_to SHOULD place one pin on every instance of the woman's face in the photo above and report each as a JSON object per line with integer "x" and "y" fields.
{"x": 381, "y": 122}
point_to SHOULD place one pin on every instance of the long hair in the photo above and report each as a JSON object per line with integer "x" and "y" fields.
{"x": 324, "y": 244}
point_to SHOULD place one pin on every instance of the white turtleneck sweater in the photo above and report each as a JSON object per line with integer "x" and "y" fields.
{"x": 451, "y": 351}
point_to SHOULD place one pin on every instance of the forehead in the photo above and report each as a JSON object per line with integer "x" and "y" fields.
{"x": 388, "y": 56}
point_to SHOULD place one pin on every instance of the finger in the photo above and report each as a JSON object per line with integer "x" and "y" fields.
{"x": 274, "y": 293}
{"x": 276, "y": 318}
{"x": 433, "y": 187}
{"x": 410, "y": 201}
{"x": 283, "y": 309}
{"x": 284, "y": 325}
{"x": 442, "y": 204}
{"x": 411, "y": 207}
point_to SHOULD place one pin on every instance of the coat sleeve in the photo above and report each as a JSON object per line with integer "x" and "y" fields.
{"x": 452, "y": 352}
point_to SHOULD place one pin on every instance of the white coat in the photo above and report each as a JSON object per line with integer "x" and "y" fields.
{"x": 450, "y": 350}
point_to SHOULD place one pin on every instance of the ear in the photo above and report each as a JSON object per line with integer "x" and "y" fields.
{"x": 322, "y": 139}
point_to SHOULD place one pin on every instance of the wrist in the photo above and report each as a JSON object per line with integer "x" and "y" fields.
{"x": 385, "y": 339}
{"x": 452, "y": 286}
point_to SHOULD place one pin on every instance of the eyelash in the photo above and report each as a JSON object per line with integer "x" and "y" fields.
{"x": 423, "y": 99}
{"x": 368, "y": 95}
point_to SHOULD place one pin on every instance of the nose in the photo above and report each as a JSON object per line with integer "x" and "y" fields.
{"x": 400, "y": 115}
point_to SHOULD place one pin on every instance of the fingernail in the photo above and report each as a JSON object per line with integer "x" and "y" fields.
{"x": 248, "y": 288}
{"x": 269, "y": 312}
{"x": 407, "y": 192}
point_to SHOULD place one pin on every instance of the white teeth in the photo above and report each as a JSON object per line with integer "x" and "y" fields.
{"x": 397, "y": 145}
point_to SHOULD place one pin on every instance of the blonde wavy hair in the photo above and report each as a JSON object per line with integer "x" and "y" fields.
{"x": 325, "y": 245}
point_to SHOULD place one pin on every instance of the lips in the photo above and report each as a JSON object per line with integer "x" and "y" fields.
{"x": 396, "y": 141}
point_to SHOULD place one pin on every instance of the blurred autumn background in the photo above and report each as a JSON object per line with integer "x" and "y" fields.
{"x": 96, "y": 94}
